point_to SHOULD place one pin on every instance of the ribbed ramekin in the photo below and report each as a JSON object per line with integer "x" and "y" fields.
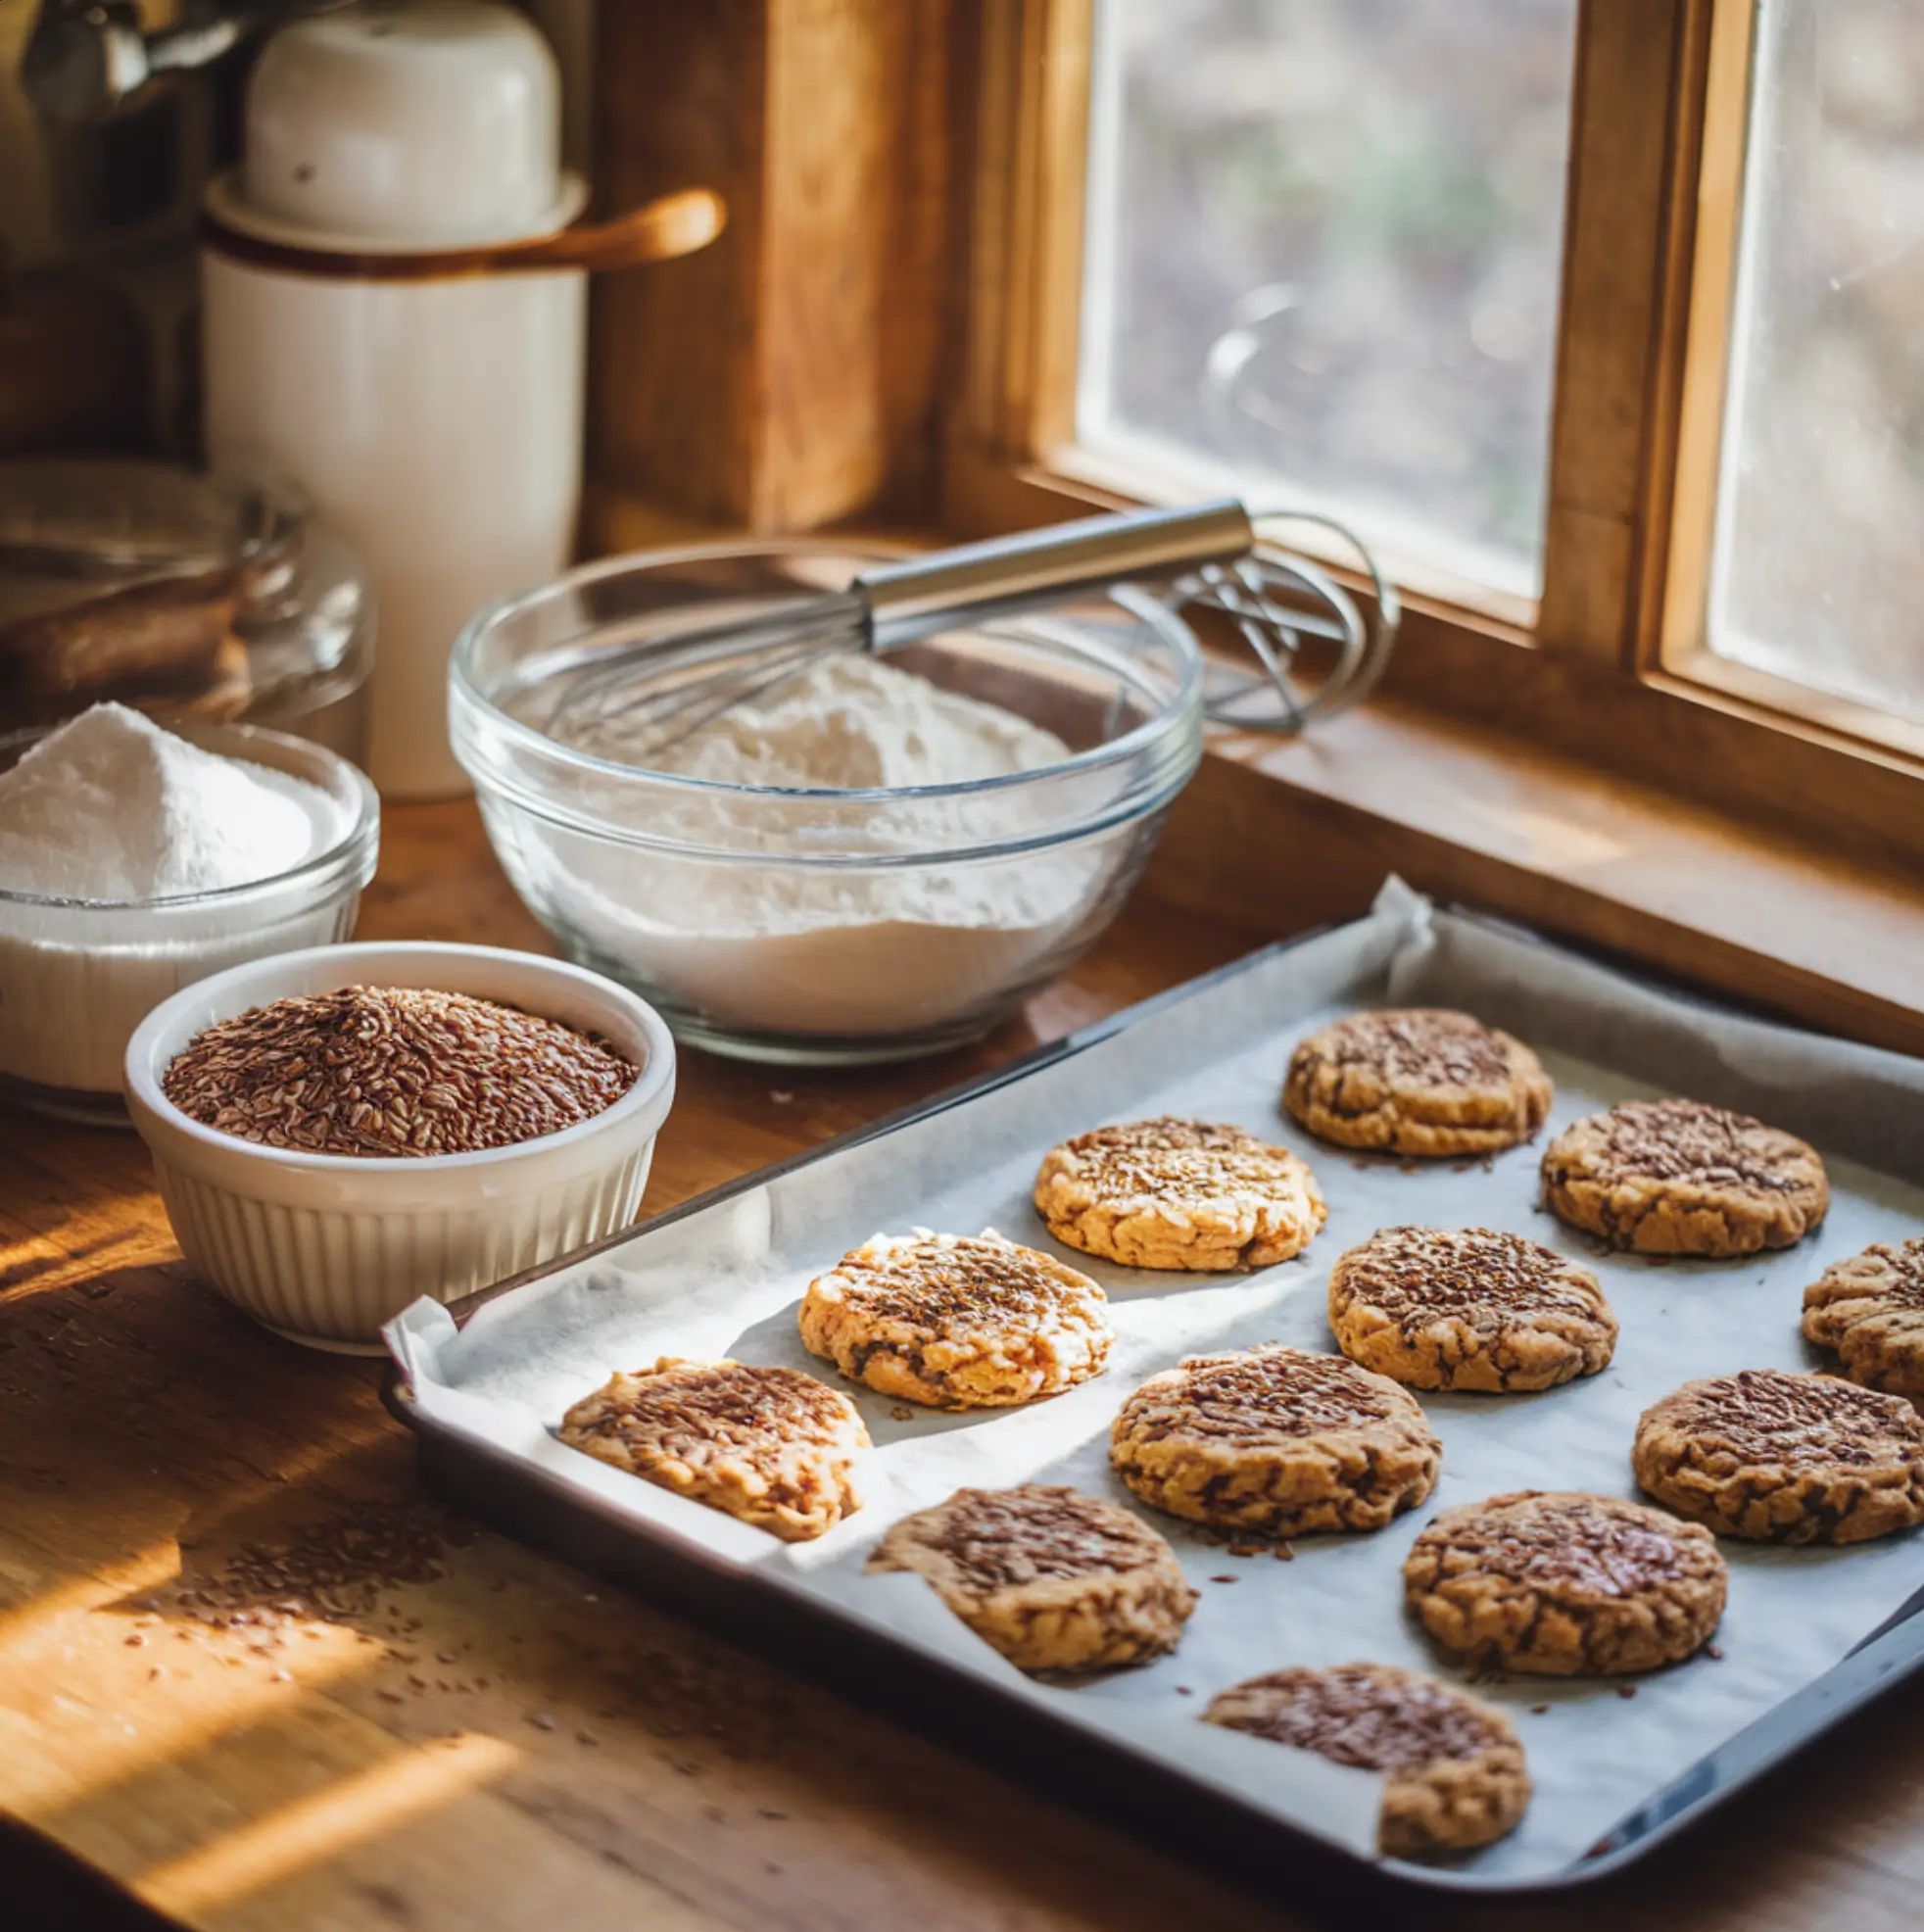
{"x": 325, "y": 1247}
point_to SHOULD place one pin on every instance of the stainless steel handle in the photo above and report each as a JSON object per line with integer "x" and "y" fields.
{"x": 910, "y": 597}
{"x": 87, "y": 57}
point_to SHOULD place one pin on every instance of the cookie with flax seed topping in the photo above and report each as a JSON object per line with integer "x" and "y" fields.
{"x": 1419, "y": 1080}
{"x": 1677, "y": 1177}
{"x": 1782, "y": 1458}
{"x": 1870, "y": 1309}
{"x": 1178, "y": 1194}
{"x": 1454, "y": 1769}
{"x": 1562, "y": 1584}
{"x": 1469, "y": 1308}
{"x": 771, "y": 1446}
{"x": 957, "y": 1321}
{"x": 1275, "y": 1440}
{"x": 1054, "y": 1579}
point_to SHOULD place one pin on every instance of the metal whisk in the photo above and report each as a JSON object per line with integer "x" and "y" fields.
{"x": 1210, "y": 556}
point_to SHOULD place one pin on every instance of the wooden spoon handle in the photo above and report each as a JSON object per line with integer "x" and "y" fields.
{"x": 669, "y": 225}
{"x": 658, "y": 230}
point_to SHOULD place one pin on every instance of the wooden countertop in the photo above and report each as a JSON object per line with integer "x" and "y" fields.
{"x": 509, "y": 1744}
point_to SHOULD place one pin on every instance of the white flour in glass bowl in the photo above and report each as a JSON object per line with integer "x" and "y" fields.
{"x": 790, "y": 949}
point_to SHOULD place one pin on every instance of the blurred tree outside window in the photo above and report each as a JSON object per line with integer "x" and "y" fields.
{"x": 1323, "y": 249}
{"x": 1817, "y": 569}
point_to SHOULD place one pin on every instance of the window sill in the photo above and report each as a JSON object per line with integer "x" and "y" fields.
{"x": 1275, "y": 835}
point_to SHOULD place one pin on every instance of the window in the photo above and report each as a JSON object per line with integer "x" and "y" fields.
{"x": 1592, "y": 315}
{"x": 1321, "y": 260}
{"x": 1818, "y": 570}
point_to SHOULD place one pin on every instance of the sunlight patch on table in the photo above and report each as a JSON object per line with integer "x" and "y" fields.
{"x": 319, "y": 1827}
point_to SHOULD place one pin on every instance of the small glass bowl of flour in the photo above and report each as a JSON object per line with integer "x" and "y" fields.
{"x": 135, "y": 861}
{"x": 876, "y": 857}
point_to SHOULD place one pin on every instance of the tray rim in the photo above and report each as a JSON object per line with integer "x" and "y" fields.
{"x": 1881, "y": 1660}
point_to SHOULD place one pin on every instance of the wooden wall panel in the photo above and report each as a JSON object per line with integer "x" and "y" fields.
{"x": 672, "y": 347}
{"x": 792, "y": 375}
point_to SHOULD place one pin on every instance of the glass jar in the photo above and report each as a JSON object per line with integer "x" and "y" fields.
{"x": 186, "y": 596}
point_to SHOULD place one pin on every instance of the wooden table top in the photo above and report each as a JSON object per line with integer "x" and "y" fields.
{"x": 506, "y": 1744}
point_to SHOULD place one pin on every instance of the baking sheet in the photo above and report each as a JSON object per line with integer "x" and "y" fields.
{"x": 726, "y": 1282}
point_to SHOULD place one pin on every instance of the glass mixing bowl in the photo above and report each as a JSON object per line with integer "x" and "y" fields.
{"x": 821, "y": 927}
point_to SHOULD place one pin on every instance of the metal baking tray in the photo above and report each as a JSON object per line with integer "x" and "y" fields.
{"x": 1605, "y": 1034}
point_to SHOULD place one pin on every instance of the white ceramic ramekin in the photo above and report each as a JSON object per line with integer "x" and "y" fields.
{"x": 324, "y": 1248}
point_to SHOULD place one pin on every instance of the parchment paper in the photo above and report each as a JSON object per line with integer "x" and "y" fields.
{"x": 726, "y": 1282}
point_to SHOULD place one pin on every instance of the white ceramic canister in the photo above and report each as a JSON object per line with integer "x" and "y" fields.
{"x": 395, "y": 316}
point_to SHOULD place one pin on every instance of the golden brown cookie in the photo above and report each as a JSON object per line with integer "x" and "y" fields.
{"x": 772, "y": 1446}
{"x": 1870, "y": 1309}
{"x": 1785, "y": 1458}
{"x": 1455, "y": 1770}
{"x": 1053, "y": 1579}
{"x": 1419, "y": 1080}
{"x": 1562, "y": 1584}
{"x": 957, "y": 1320}
{"x": 1466, "y": 1308}
{"x": 1276, "y": 1440}
{"x": 1676, "y": 1177}
{"x": 1178, "y": 1194}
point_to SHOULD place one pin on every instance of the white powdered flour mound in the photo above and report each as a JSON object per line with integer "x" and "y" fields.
{"x": 851, "y": 723}
{"x": 132, "y": 821}
{"x": 790, "y": 949}
{"x": 110, "y": 807}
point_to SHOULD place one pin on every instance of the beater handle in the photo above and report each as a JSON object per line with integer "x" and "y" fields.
{"x": 904, "y": 598}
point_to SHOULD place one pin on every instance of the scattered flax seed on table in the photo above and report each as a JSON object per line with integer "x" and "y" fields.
{"x": 393, "y": 1071}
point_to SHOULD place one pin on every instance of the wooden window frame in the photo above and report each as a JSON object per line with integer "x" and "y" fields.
{"x": 1610, "y": 665}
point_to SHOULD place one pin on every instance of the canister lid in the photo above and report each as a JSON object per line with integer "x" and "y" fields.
{"x": 427, "y": 124}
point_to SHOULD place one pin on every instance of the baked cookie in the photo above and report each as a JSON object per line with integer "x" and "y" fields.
{"x": 1562, "y": 1584}
{"x": 957, "y": 1320}
{"x": 772, "y": 1446}
{"x": 1455, "y": 1769}
{"x": 1276, "y": 1440}
{"x": 1785, "y": 1458}
{"x": 1178, "y": 1194}
{"x": 1467, "y": 1307}
{"x": 1053, "y": 1579}
{"x": 1420, "y": 1080}
{"x": 1870, "y": 1309}
{"x": 1676, "y": 1177}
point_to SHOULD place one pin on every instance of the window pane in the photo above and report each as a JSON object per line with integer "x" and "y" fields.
{"x": 1818, "y": 571}
{"x": 1324, "y": 244}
